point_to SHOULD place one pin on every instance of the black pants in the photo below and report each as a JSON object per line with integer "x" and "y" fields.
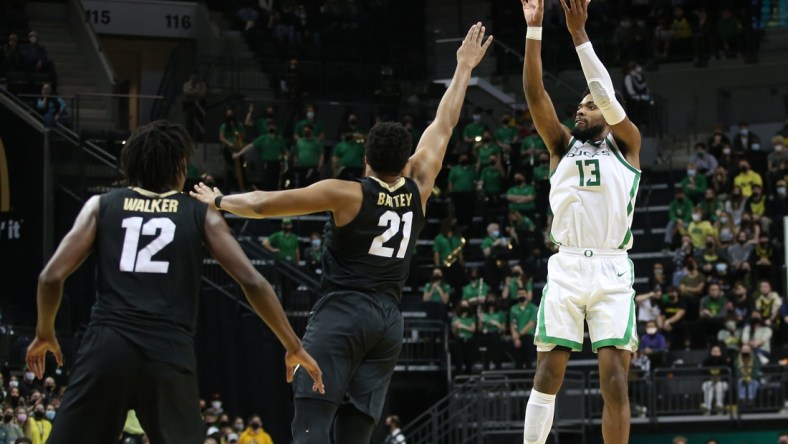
{"x": 490, "y": 348}
{"x": 271, "y": 172}
{"x": 464, "y": 203}
{"x": 356, "y": 338}
{"x": 110, "y": 377}
{"x": 464, "y": 354}
{"x": 524, "y": 355}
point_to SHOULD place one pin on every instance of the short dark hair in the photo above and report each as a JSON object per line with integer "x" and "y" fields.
{"x": 156, "y": 156}
{"x": 388, "y": 147}
{"x": 394, "y": 418}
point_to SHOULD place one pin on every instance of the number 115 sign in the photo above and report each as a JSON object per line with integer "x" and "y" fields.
{"x": 144, "y": 18}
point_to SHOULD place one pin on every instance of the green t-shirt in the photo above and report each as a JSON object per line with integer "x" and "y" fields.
{"x": 514, "y": 287}
{"x": 261, "y": 125}
{"x": 700, "y": 187}
{"x": 533, "y": 142}
{"x": 525, "y": 190}
{"x": 445, "y": 245}
{"x": 485, "y": 151}
{"x": 506, "y": 134}
{"x": 435, "y": 296}
{"x": 462, "y": 178}
{"x": 308, "y": 152}
{"x": 317, "y": 128}
{"x": 713, "y": 305}
{"x": 230, "y": 130}
{"x": 496, "y": 316}
{"x": 473, "y": 129}
{"x": 520, "y": 316}
{"x": 526, "y": 224}
{"x": 492, "y": 179}
{"x": 471, "y": 291}
{"x": 467, "y": 321}
{"x": 271, "y": 148}
{"x": 487, "y": 242}
{"x": 287, "y": 245}
{"x": 541, "y": 172}
{"x": 681, "y": 209}
{"x": 350, "y": 154}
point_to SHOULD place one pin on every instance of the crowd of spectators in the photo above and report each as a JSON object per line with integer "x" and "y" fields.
{"x": 28, "y": 409}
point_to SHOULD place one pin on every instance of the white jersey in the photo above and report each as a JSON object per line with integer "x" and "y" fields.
{"x": 592, "y": 196}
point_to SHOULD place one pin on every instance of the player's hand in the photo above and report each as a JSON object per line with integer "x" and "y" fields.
{"x": 576, "y": 12}
{"x": 236, "y": 154}
{"x": 473, "y": 47}
{"x": 533, "y": 10}
{"x": 301, "y": 358}
{"x": 205, "y": 194}
{"x": 37, "y": 353}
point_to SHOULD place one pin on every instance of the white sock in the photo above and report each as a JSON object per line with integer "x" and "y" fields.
{"x": 538, "y": 417}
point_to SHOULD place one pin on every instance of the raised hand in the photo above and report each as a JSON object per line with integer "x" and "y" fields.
{"x": 576, "y": 12}
{"x": 474, "y": 46}
{"x": 533, "y": 10}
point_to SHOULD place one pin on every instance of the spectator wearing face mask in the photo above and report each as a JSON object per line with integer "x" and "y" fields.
{"x": 310, "y": 119}
{"x": 308, "y": 157}
{"x": 273, "y": 153}
{"x": 779, "y": 153}
{"x": 694, "y": 184}
{"x": 522, "y": 196}
{"x": 672, "y": 319}
{"x": 680, "y": 209}
{"x": 522, "y": 319}
{"x": 474, "y": 130}
{"x": 491, "y": 179}
{"x": 759, "y": 337}
{"x": 10, "y": 426}
{"x": 313, "y": 254}
{"x": 736, "y": 204}
{"x": 436, "y": 290}
{"x": 767, "y": 302}
{"x": 713, "y": 313}
{"x": 705, "y": 163}
{"x": 284, "y": 243}
{"x": 492, "y": 324}
{"x": 653, "y": 345}
{"x": 238, "y": 424}
{"x": 699, "y": 229}
{"x": 530, "y": 149}
{"x": 714, "y": 389}
{"x": 747, "y": 144}
{"x": 461, "y": 189}
{"x": 347, "y": 160}
{"x": 730, "y": 336}
{"x": 740, "y": 253}
{"x": 255, "y": 434}
{"x": 37, "y": 427}
{"x": 747, "y": 178}
{"x": 463, "y": 328}
{"x": 49, "y": 392}
{"x": 506, "y": 135}
{"x": 486, "y": 149}
{"x": 29, "y": 384}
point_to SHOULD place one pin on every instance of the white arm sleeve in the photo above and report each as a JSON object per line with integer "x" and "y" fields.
{"x": 600, "y": 84}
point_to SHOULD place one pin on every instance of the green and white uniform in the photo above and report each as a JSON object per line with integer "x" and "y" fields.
{"x": 592, "y": 197}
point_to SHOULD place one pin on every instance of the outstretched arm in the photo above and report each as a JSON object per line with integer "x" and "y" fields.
{"x": 425, "y": 164}
{"x": 599, "y": 83}
{"x": 549, "y": 127}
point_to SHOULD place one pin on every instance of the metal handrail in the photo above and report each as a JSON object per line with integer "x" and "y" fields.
{"x": 509, "y": 50}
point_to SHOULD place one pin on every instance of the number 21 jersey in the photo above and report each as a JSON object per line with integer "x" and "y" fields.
{"x": 372, "y": 253}
{"x": 592, "y": 196}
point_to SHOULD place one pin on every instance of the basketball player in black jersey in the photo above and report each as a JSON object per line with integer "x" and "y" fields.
{"x": 355, "y": 329}
{"x": 137, "y": 352}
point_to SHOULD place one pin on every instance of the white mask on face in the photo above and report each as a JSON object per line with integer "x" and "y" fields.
{"x": 779, "y": 147}
{"x": 696, "y": 217}
{"x": 310, "y": 115}
{"x": 726, "y": 151}
{"x": 651, "y": 330}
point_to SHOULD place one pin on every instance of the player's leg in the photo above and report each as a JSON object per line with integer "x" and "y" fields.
{"x": 313, "y": 420}
{"x": 168, "y": 403}
{"x": 97, "y": 397}
{"x": 352, "y": 426}
{"x": 550, "y": 369}
{"x": 613, "y": 370}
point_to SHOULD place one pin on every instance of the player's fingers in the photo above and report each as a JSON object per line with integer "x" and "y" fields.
{"x": 480, "y": 35}
{"x": 585, "y": 5}
{"x": 564, "y": 6}
{"x": 487, "y": 43}
{"x": 317, "y": 376}
{"x": 475, "y": 31}
{"x": 290, "y": 369}
{"x": 59, "y": 357}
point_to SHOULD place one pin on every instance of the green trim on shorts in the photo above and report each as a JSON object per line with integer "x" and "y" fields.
{"x": 542, "y": 334}
{"x": 624, "y": 340}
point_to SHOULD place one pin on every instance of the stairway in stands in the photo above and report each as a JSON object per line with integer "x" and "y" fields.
{"x": 70, "y": 61}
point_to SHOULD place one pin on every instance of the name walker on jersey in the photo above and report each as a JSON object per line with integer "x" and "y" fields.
{"x": 150, "y": 205}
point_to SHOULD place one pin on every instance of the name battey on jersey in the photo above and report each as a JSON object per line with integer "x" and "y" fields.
{"x": 150, "y": 205}
{"x": 398, "y": 201}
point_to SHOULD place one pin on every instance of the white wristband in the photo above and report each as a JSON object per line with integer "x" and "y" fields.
{"x": 534, "y": 33}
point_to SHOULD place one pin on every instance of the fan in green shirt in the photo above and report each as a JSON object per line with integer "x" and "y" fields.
{"x": 473, "y": 131}
{"x": 693, "y": 184}
{"x": 462, "y": 177}
{"x": 522, "y": 318}
{"x": 506, "y": 134}
{"x": 517, "y": 283}
{"x": 443, "y": 245}
{"x": 284, "y": 243}
{"x": 487, "y": 149}
{"x": 680, "y": 208}
{"x": 464, "y": 326}
{"x": 492, "y": 179}
{"x": 531, "y": 146}
{"x": 317, "y": 127}
{"x": 308, "y": 151}
{"x": 260, "y": 125}
{"x": 349, "y": 153}
{"x": 521, "y": 196}
{"x": 437, "y": 290}
{"x": 542, "y": 168}
{"x": 476, "y": 291}
{"x": 493, "y": 320}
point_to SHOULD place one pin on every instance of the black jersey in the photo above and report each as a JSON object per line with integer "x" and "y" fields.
{"x": 149, "y": 250}
{"x": 372, "y": 253}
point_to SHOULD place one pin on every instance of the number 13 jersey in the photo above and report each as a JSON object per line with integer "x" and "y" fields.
{"x": 372, "y": 253}
{"x": 592, "y": 196}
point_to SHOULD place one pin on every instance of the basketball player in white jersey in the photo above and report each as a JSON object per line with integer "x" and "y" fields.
{"x": 594, "y": 180}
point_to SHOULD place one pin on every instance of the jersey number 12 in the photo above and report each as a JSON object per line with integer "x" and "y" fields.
{"x": 392, "y": 220}
{"x": 140, "y": 261}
